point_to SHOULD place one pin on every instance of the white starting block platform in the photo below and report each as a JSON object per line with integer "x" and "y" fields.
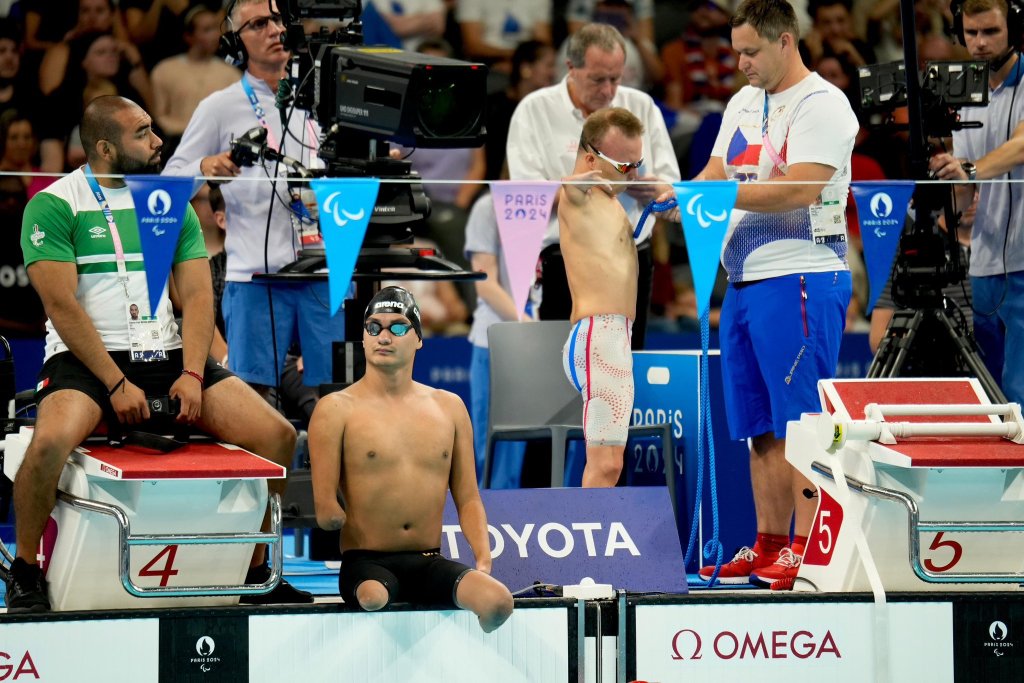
{"x": 919, "y": 477}
{"x": 135, "y": 528}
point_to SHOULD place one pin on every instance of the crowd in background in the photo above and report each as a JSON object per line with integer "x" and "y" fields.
{"x": 56, "y": 55}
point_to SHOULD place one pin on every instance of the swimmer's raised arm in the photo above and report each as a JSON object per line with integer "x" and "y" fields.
{"x": 577, "y": 193}
{"x": 326, "y": 436}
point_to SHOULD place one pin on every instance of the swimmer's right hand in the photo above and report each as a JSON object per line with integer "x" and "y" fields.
{"x": 585, "y": 183}
{"x": 129, "y": 403}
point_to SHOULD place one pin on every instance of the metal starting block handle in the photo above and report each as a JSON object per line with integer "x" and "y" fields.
{"x": 127, "y": 540}
{"x": 832, "y": 433}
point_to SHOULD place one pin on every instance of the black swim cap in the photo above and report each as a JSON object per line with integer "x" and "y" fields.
{"x": 396, "y": 300}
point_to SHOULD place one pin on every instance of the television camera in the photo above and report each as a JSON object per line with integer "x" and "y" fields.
{"x": 365, "y": 97}
{"x": 928, "y": 334}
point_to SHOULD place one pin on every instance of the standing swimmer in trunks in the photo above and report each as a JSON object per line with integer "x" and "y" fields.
{"x": 393, "y": 447}
{"x": 601, "y": 266}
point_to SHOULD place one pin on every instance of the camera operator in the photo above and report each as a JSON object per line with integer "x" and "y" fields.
{"x": 991, "y": 30}
{"x": 263, "y": 232}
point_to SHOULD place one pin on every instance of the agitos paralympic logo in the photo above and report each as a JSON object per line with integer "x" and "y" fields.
{"x": 689, "y": 644}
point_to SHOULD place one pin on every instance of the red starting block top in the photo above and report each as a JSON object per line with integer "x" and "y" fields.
{"x": 851, "y": 397}
{"x": 197, "y": 460}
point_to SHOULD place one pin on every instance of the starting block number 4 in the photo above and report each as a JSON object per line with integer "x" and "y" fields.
{"x": 168, "y": 553}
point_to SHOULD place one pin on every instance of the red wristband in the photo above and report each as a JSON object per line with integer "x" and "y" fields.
{"x": 195, "y": 375}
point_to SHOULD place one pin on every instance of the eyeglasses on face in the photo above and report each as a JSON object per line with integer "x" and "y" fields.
{"x": 260, "y": 23}
{"x": 622, "y": 167}
{"x": 397, "y": 329}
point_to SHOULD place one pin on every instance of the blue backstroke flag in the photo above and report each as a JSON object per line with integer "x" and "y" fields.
{"x": 160, "y": 203}
{"x": 882, "y": 210}
{"x": 346, "y": 205}
{"x": 705, "y": 207}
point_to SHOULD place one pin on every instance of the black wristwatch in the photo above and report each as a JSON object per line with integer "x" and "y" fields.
{"x": 970, "y": 169}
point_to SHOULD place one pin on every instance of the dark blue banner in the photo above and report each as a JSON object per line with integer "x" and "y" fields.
{"x": 160, "y": 203}
{"x": 882, "y": 210}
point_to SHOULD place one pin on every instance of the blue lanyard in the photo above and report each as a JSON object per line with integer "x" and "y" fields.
{"x": 261, "y": 114}
{"x": 101, "y": 199}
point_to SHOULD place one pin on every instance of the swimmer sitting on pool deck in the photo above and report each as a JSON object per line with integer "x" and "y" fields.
{"x": 393, "y": 447}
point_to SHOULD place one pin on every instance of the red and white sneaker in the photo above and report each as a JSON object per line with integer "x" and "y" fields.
{"x": 738, "y": 571}
{"x": 786, "y": 567}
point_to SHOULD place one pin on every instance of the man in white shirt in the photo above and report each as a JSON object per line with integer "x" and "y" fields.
{"x": 544, "y": 136}
{"x": 785, "y": 253}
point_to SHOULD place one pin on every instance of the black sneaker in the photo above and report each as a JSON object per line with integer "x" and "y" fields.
{"x": 26, "y": 588}
{"x": 283, "y": 594}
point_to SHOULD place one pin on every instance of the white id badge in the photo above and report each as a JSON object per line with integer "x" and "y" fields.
{"x": 828, "y": 217}
{"x": 144, "y": 336}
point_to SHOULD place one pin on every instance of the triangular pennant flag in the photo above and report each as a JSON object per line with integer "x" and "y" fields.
{"x": 882, "y": 210}
{"x": 523, "y": 211}
{"x": 160, "y": 203}
{"x": 705, "y": 207}
{"x": 346, "y": 206}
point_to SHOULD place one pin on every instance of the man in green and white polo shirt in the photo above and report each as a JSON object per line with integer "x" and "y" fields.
{"x": 81, "y": 244}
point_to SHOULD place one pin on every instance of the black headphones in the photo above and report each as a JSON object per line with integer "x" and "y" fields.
{"x": 1014, "y": 22}
{"x": 231, "y": 47}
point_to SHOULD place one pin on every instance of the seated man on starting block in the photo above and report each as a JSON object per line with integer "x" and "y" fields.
{"x": 90, "y": 279}
{"x": 394, "y": 447}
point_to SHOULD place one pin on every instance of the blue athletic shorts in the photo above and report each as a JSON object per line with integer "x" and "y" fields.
{"x": 300, "y": 311}
{"x": 779, "y": 337}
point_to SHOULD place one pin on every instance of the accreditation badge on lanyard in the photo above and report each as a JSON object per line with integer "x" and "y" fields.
{"x": 302, "y": 202}
{"x": 144, "y": 341}
{"x": 827, "y": 214}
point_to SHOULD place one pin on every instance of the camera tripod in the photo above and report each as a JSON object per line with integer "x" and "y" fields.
{"x": 926, "y": 342}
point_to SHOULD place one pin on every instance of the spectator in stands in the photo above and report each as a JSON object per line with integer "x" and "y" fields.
{"x": 832, "y": 33}
{"x": 533, "y": 67}
{"x": 15, "y": 92}
{"x": 98, "y": 64}
{"x": 491, "y": 29}
{"x": 700, "y": 77}
{"x": 21, "y": 311}
{"x": 94, "y": 16}
{"x": 181, "y": 82}
{"x": 158, "y": 26}
{"x": 700, "y": 65}
{"x": 19, "y": 149}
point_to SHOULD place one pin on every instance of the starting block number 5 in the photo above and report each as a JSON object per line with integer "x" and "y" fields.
{"x": 944, "y": 545}
{"x": 166, "y": 571}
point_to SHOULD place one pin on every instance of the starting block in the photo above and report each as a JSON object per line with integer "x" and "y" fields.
{"x": 930, "y": 475}
{"x": 138, "y": 529}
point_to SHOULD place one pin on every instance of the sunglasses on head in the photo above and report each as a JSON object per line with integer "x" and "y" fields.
{"x": 398, "y": 329}
{"x": 260, "y": 23}
{"x": 620, "y": 166}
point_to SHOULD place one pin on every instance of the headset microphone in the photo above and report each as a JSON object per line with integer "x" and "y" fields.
{"x": 997, "y": 64}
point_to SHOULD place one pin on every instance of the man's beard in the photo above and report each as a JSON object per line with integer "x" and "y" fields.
{"x": 125, "y": 164}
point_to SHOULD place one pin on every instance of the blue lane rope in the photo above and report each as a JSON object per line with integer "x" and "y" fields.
{"x": 656, "y": 207}
{"x": 705, "y": 431}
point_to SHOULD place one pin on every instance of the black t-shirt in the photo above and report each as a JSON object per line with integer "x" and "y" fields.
{"x": 18, "y": 300}
{"x": 499, "y": 115}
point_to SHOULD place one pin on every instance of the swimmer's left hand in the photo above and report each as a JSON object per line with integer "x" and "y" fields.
{"x": 673, "y": 213}
{"x": 190, "y": 392}
{"x": 483, "y": 566}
